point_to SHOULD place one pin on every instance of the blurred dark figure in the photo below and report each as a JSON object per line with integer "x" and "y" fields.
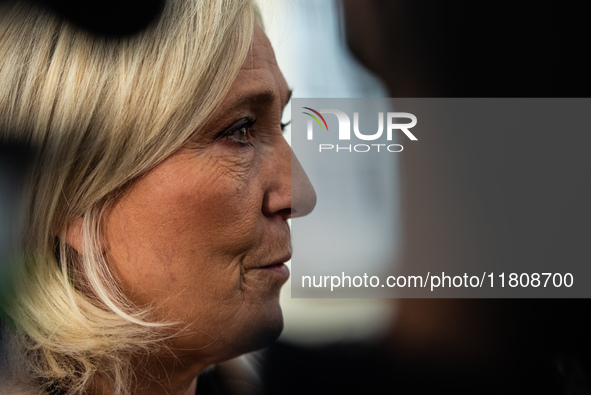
{"x": 14, "y": 159}
{"x": 531, "y": 203}
{"x": 112, "y": 18}
{"x": 472, "y": 49}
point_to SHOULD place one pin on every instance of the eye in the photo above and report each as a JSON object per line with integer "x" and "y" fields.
{"x": 240, "y": 132}
{"x": 240, "y": 135}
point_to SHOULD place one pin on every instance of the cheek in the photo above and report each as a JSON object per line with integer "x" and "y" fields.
{"x": 186, "y": 220}
{"x": 223, "y": 202}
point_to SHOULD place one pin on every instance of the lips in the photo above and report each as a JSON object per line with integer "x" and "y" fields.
{"x": 279, "y": 262}
{"x": 276, "y": 269}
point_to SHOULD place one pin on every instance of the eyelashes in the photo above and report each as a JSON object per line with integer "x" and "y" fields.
{"x": 284, "y": 125}
{"x": 241, "y": 132}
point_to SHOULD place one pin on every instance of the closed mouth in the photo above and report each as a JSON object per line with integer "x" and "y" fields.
{"x": 277, "y": 263}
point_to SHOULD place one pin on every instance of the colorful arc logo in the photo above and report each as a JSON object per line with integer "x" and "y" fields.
{"x": 316, "y": 119}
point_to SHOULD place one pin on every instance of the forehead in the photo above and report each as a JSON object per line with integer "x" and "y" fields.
{"x": 260, "y": 72}
{"x": 260, "y": 55}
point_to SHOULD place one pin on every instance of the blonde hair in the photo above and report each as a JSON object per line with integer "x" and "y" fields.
{"x": 99, "y": 112}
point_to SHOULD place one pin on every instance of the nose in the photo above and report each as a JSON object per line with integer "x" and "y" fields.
{"x": 291, "y": 193}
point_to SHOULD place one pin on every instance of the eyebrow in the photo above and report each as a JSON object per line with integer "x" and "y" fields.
{"x": 263, "y": 98}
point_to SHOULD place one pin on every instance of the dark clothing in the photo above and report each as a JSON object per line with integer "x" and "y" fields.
{"x": 361, "y": 369}
{"x": 209, "y": 383}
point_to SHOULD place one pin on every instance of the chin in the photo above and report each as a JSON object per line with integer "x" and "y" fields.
{"x": 269, "y": 333}
{"x": 263, "y": 331}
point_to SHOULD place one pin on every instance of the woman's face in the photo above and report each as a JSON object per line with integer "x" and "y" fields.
{"x": 203, "y": 236}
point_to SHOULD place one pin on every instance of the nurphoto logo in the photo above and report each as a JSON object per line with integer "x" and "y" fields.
{"x": 344, "y": 130}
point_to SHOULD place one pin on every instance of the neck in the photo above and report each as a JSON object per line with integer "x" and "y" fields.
{"x": 169, "y": 375}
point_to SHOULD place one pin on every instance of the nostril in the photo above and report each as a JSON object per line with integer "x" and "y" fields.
{"x": 286, "y": 214}
{"x": 293, "y": 213}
